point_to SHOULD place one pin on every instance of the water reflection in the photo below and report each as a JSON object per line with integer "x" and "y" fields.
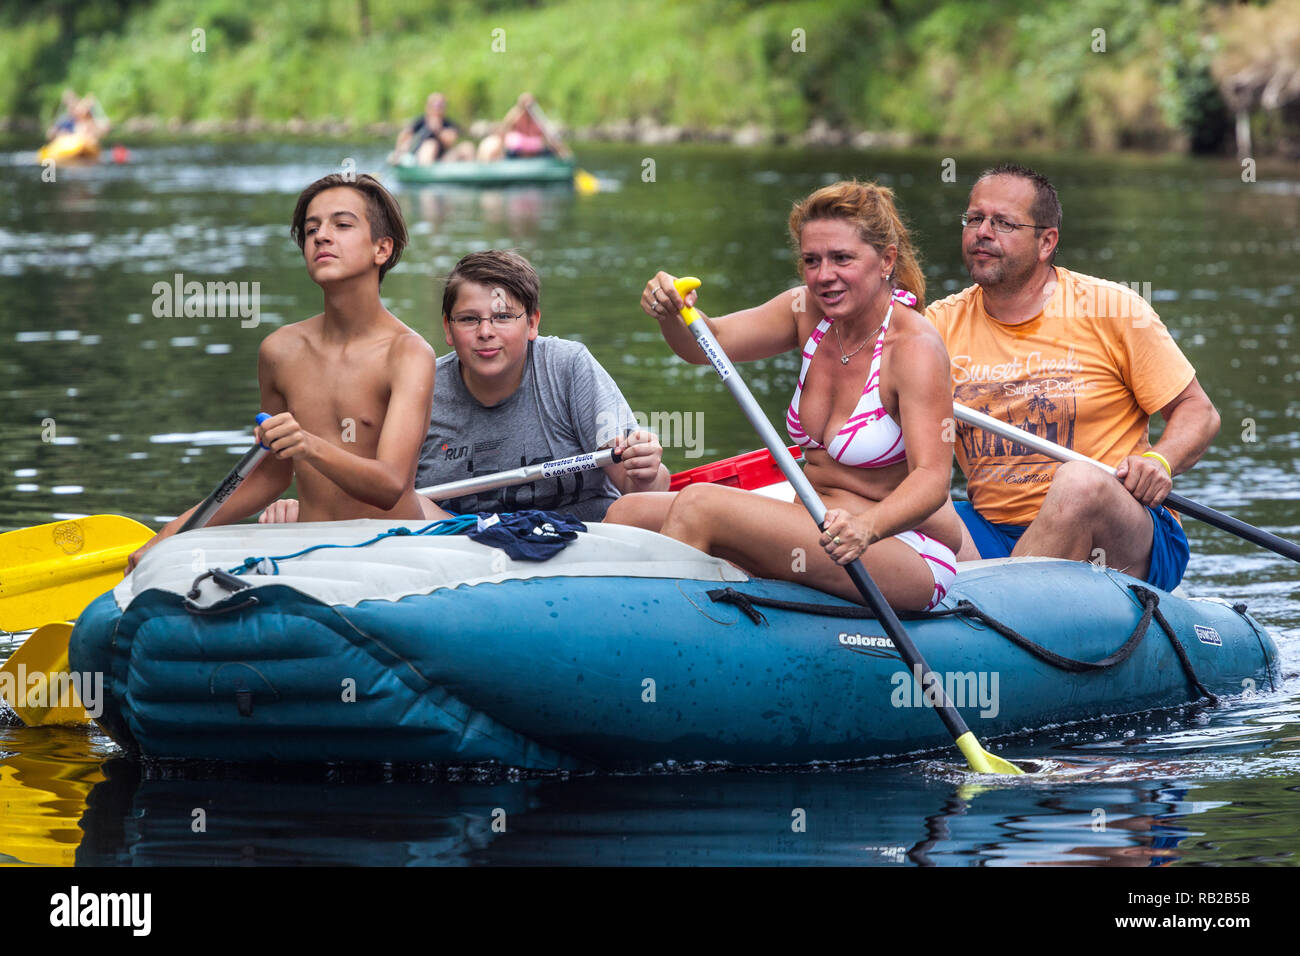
{"x": 1101, "y": 812}
{"x": 44, "y": 790}
{"x": 1200, "y": 786}
{"x": 516, "y": 213}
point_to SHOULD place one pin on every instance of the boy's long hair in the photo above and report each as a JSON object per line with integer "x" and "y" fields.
{"x": 496, "y": 269}
{"x": 382, "y": 212}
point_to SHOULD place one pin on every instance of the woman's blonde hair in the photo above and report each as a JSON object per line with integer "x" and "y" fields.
{"x": 871, "y": 209}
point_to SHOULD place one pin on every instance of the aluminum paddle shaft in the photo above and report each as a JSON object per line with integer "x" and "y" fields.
{"x": 521, "y": 476}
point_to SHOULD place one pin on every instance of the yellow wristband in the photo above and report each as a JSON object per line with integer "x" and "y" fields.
{"x": 1160, "y": 458}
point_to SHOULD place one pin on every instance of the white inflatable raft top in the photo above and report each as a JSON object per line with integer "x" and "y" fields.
{"x": 401, "y": 565}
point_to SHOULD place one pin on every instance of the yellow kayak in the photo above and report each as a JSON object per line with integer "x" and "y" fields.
{"x": 67, "y": 146}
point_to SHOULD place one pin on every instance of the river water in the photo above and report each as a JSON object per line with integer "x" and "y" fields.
{"x": 112, "y": 408}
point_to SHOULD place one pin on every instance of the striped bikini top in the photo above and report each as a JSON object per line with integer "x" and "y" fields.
{"x": 869, "y": 437}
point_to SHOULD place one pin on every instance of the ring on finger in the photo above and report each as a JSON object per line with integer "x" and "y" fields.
{"x": 835, "y": 540}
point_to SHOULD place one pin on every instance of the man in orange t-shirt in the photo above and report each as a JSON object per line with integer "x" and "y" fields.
{"x": 1076, "y": 360}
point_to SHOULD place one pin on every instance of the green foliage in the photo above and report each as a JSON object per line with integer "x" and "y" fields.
{"x": 24, "y": 49}
{"x": 976, "y": 72}
{"x": 1189, "y": 95}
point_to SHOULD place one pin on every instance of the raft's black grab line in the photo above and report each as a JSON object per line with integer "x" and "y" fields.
{"x": 228, "y": 606}
{"x": 1145, "y": 595}
{"x": 1149, "y": 600}
{"x": 747, "y": 602}
{"x": 224, "y": 578}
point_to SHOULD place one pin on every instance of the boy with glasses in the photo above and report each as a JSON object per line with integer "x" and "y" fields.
{"x": 507, "y": 396}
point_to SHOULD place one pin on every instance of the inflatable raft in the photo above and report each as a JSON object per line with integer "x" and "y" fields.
{"x": 624, "y": 650}
{"x": 505, "y": 172}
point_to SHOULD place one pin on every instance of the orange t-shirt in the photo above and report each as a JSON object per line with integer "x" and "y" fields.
{"x": 1087, "y": 373}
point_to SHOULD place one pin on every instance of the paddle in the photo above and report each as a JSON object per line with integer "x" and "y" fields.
{"x": 34, "y": 681}
{"x": 557, "y": 144}
{"x": 979, "y": 759}
{"x": 213, "y": 502}
{"x": 521, "y": 476}
{"x": 583, "y": 181}
{"x": 49, "y": 654}
{"x": 1176, "y": 501}
{"x": 587, "y": 461}
{"x": 50, "y": 572}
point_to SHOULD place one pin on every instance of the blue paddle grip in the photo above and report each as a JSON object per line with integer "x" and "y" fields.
{"x": 261, "y": 417}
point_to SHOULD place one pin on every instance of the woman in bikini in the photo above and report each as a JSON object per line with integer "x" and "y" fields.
{"x": 872, "y": 411}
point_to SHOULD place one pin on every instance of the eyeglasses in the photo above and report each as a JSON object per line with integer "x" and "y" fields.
{"x": 499, "y": 320}
{"x": 999, "y": 223}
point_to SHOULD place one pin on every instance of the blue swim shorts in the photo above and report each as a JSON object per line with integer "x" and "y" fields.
{"x": 1169, "y": 551}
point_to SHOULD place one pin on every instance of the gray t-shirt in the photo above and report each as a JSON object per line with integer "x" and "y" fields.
{"x": 566, "y": 404}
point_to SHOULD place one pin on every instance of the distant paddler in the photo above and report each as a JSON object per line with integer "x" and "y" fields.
{"x": 432, "y": 137}
{"x": 523, "y": 133}
{"x": 76, "y": 133}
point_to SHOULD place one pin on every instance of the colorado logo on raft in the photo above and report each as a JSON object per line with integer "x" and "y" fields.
{"x": 865, "y": 640}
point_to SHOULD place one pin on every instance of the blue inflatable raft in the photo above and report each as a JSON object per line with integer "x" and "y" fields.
{"x": 624, "y": 650}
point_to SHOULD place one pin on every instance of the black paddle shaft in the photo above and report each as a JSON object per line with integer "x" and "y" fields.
{"x": 1288, "y": 549}
{"x": 1052, "y": 450}
{"x": 906, "y": 649}
{"x": 213, "y": 502}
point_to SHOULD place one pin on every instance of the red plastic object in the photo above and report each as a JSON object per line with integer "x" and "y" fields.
{"x": 755, "y": 469}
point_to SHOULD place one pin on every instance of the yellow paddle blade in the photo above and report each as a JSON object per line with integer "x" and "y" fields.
{"x": 36, "y": 681}
{"x": 585, "y": 183}
{"x": 980, "y": 760}
{"x": 52, "y": 571}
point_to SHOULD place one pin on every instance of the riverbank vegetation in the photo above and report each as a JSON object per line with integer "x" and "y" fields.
{"x": 1098, "y": 74}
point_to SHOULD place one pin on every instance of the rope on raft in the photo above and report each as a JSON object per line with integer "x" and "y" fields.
{"x": 268, "y": 564}
{"x": 1150, "y": 601}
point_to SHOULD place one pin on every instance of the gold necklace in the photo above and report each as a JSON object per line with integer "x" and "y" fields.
{"x": 844, "y": 357}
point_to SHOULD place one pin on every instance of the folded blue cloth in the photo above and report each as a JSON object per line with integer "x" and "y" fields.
{"x": 527, "y": 535}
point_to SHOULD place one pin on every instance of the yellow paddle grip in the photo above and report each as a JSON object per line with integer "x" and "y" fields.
{"x": 684, "y": 285}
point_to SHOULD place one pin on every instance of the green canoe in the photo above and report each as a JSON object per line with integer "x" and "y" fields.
{"x": 504, "y": 172}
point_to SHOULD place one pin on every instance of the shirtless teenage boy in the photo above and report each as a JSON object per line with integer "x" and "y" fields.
{"x": 350, "y": 390}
